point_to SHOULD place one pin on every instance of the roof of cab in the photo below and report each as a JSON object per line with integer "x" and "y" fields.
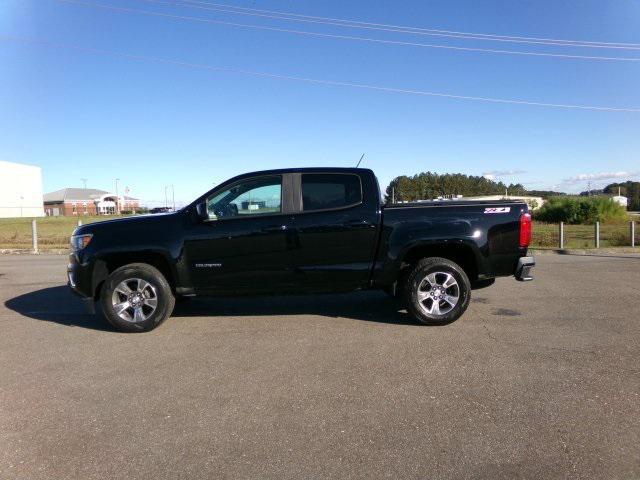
{"x": 280, "y": 171}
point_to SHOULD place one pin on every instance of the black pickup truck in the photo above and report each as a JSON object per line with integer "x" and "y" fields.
{"x": 299, "y": 230}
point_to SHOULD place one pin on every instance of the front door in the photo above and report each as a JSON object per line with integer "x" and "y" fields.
{"x": 245, "y": 244}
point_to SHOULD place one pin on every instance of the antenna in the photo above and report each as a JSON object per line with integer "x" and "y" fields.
{"x": 358, "y": 164}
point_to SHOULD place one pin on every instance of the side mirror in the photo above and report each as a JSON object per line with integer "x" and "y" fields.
{"x": 201, "y": 211}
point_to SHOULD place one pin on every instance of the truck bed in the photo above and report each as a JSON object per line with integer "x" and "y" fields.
{"x": 484, "y": 233}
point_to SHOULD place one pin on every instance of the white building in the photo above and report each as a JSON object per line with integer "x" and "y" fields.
{"x": 20, "y": 190}
{"x": 620, "y": 200}
{"x": 534, "y": 202}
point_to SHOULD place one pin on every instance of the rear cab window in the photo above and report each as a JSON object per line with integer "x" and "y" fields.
{"x": 327, "y": 191}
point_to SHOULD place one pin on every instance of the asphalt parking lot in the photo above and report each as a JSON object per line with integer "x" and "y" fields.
{"x": 537, "y": 380}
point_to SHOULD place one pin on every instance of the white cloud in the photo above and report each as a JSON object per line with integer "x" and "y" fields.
{"x": 493, "y": 174}
{"x": 586, "y": 177}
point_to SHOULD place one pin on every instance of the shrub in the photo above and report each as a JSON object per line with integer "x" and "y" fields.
{"x": 581, "y": 210}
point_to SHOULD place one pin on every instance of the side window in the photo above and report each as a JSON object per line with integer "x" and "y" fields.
{"x": 256, "y": 196}
{"x": 322, "y": 191}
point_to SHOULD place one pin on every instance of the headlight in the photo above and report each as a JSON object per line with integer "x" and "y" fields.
{"x": 78, "y": 242}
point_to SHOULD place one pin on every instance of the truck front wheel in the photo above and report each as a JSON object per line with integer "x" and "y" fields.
{"x": 136, "y": 298}
{"x": 437, "y": 291}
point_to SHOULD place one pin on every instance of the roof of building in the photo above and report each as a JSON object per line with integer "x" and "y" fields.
{"x": 78, "y": 194}
{"x": 19, "y": 165}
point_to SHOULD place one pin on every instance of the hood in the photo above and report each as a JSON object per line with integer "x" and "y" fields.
{"x": 134, "y": 222}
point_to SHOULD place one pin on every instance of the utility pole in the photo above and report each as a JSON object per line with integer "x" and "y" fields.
{"x": 173, "y": 197}
{"x": 166, "y": 203}
{"x": 117, "y": 198}
{"x": 84, "y": 181}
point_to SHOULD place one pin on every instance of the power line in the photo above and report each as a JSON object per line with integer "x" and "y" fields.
{"x": 344, "y": 37}
{"x": 314, "y": 80}
{"x": 397, "y": 28}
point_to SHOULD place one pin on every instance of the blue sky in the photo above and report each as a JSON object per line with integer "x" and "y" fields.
{"x": 82, "y": 115}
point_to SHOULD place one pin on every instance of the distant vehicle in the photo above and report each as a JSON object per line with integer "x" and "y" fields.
{"x": 160, "y": 210}
{"x": 299, "y": 231}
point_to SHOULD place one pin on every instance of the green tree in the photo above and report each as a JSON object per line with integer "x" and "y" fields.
{"x": 428, "y": 185}
{"x": 581, "y": 210}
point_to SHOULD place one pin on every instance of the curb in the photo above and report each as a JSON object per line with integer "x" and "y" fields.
{"x": 29, "y": 251}
{"x": 627, "y": 252}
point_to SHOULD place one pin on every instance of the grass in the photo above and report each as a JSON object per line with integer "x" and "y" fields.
{"x": 546, "y": 235}
{"x": 53, "y": 232}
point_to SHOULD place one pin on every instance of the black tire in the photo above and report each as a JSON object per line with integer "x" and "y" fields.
{"x": 415, "y": 290}
{"x": 158, "y": 289}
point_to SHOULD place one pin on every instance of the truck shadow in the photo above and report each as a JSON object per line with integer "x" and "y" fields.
{"x": 59, "y": 305}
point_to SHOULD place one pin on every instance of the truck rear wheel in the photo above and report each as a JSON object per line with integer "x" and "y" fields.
{"x": 136, "y": 298}
{"x": 437, "y": 291}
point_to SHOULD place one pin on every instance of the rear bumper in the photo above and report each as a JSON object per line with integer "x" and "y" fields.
{"x": 523, "y": 270}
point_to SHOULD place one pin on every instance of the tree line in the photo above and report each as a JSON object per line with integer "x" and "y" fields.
{"x": 429, "y": 185}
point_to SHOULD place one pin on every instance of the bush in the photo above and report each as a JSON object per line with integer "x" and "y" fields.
{"x": 587, "y": 210}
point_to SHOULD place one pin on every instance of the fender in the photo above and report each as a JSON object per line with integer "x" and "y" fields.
{"x": 407, "y": 241}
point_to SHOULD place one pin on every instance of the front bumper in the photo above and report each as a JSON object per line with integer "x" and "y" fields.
{"x": 79, "y": 280}
{"x": 523, "y": 270}
{"x": 79, "y": 276}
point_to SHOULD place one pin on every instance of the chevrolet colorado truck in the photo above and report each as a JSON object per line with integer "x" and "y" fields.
{"x": 303, "y": 230}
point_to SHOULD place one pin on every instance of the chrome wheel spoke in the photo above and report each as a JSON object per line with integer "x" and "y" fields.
{"x": 422, "y": 295}
{"x": 124, "y": 289}
{"x": 142, "y": 285}
{"x": 138, "y": 314}
{"x": 450, "y": 299}
{"x": 121, "y": 307}
{"x": 431, "y": 278}
{"x": 435, "y": 307}
{"x": 152, "y": 302}
{"x": 449, "y": 282}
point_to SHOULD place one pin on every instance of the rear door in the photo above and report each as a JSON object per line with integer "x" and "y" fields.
{"x": 335, "y": 232}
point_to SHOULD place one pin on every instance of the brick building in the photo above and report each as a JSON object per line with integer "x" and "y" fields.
{"x": 86, "y": 201}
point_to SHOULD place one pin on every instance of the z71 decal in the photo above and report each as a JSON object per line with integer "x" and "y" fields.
{"x": 497, "y": 210}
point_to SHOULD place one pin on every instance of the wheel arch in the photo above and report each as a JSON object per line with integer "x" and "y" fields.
{"x": 460, "y": 253}
{"x": 108, "y": 263}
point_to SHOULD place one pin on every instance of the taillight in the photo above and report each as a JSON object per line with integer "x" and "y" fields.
{"x": 525, "y": 229}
